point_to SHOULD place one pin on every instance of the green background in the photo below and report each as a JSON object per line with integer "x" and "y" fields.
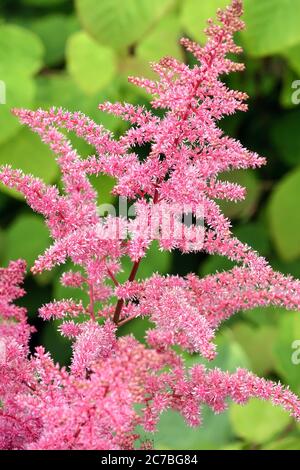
{"x": 77, "y": 54}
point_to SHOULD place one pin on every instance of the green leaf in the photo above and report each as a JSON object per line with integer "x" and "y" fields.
{"x": 136, "y": 66}
{"x": 28, "y": 153}
{"x": 255, "y": 235}
{"x": 91, "y": 65}
{"x": 286, "y": 138}
{"x": 103, "y": 185}
{"x": 242, "y": 209}
{"x": 138, "y": 328}
{"x": 288, "y": 443}
{"x": 258, "y": 343}
{"x": 230, "y": 355}
{"x": 21, "y": 52}
{"x": 27, "y": 238}
{"x": 272, "y": 25}
{"x": 293, "y": 57}
{"x": 233, "y": 446}
{"x": 263, "y": 316}
{"x": 194, "y": 15}
{"x": 61, "y": 90}
{"x": 258, "y": 421}
{"x": 155, "y": 261}
{"x": 284, "y": 216}
{"x": 215, "y": 263}
{"x": 174, "y": 433}
{"x": 54, "y": 30}
{"x": 285, "y": 350}
{"x": 292, "y": 268}
{"x": 58, "y": 89}
{"x": 18, "y": 92}
{"x": 120, "y": 24}
{"x": 162, "y": 41}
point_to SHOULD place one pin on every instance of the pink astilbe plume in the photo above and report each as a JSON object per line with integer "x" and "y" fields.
{"x": 13, "y": 319}
{"x": 92, "y": 403}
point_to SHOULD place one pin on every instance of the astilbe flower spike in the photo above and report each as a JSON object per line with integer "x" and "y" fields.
{"x": 92, "y": 404}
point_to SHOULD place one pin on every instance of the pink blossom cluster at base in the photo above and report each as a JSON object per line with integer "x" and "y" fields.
{"x": 116, "y": 384}
{"x": 94, "y": 405}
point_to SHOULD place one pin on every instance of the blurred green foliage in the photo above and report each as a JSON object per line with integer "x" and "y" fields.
{"x": 78, "y": 53}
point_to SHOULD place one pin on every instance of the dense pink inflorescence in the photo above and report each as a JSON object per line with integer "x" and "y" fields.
{"x": 92, "y": 404}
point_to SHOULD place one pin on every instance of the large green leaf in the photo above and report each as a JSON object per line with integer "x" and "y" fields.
{"x": 137, "y": 328}
{"x": 286, "y": 138}
{"x": 242, "y": 209}
{"x": 292, "y": 268}
{"x": 174, "y": 433}
{"x": 61, "y": 90}
{"x": 255, "y": 235}
{"x": 21, "y": 54}
{"x": 293, "y": 56}
{"x": 27, "y": 238}
{"x": 258, "y": 343}
{"x": 194, "y": 15}
{"x": 163, "y": 40}
{"x": 285, "y": 349}
{"x": 120, "y": 24}
{"x": 90, "y": 64}
{"x": 231, "y": 354}
{"x": 54, "y": 30}
{"x": 103, "y": 185}
{"x": 215, "y": 263}
{"x": 58, "y": 89}
{"x": 154, "y": 261}
{"x": 258, "y": 421}
{"x": 288, "y": 443}
{"x": 233, "y": 446}
{"x": 18, "y": 92}
{"x": 21, "y": 51}
{"x": 272, "y": 25}
{"x": 27, "y": 152}
{"x": 263, "y": 317}
{"x": 284, "y": 216}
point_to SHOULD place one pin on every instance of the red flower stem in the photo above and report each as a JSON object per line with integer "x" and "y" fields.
{"x": 118, "y": 311}
{"x": 120, "y": 302}
{"x": 114, "y": 280}
{"x": 126, "y": 320}
{"x": 91, "y": 306}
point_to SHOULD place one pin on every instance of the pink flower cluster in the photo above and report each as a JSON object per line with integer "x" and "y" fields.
{"x": 92, "y": 404}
